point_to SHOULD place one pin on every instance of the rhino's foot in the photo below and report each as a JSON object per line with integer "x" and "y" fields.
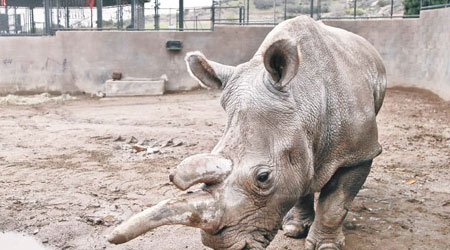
{"x": 299, "y": 219}
{"x": 295, "y": 228}
{"x": 323, "y": 241}
{"x": 323, "y": 245}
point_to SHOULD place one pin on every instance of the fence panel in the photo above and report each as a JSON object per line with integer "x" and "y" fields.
{"x": 21, "y": 21}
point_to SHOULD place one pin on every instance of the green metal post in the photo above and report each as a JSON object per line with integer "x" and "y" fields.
{"x": 181, "y": 13}
{"x": 99, "y": 14}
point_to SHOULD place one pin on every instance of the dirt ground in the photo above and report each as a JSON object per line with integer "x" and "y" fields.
{"x": 69, "y": 172}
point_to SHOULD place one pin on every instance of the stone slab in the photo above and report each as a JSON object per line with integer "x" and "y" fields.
{"x": 134, "y": 87}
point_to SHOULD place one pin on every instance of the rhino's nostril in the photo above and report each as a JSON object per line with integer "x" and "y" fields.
{"x": 171, "y": 177}
{"x": 220, "y": 230}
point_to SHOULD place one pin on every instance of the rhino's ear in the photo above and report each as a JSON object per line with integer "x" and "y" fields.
{"x": 282, "y": 60}
{"x": 210, "y": 74}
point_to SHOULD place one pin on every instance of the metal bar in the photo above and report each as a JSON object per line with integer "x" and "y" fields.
{"x": 133, "y": 14}
{"x": 157, "y": 15}
{"x": 392, "y": 7}
{"x": 319, "y": 5}
{"x": 47, "y": 13}
{"x": 58, "y": 15}
{"x": 371, "y": 17}
{"x": 223, "y": 7}
{"x": 285, "y": 9}
{"x": 33, "y": 24}
{"x": 15, "y": 19}
{"x": 67, "y": 15}
{"x": 23, "y": 34}
{"x": 121, "y": 15}
{"x": 213, "y": 15}
{"x": 80, "y": 29}
{"x": 7, "y": 21}
{"x": 248, "y": 11}
{"x": 253, "y": 23}
{"x": 181, "y": 15}
{"x": 436, "y": 6}
{"x": 354, "y": 9}
{"x": 118, "y": 14}
{"x": 202, "y": 19}
{"x": 312, "y": 8}
{"x": 240, "y": 15}
{"x": 99, "y": 14}
{"x": 217, "y": 20}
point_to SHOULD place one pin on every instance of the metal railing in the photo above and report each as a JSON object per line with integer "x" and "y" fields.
{"x": 169, "y": 19}
{"x": 17, "y": 21}
{"x": 430, "y": 4}
{"x": 45, "y": 17}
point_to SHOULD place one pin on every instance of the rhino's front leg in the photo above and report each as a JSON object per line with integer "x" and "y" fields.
{"x": 334, "y": 202}
{"x": 298, "y": 220}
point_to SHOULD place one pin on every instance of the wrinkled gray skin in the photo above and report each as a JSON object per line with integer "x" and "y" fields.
{"x": 301, "y": 119}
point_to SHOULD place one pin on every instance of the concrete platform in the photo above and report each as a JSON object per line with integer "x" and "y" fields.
{"x": 135, "y": 86}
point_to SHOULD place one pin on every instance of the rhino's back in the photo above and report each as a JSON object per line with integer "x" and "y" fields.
{"x": 339, "y": 89}
{"x": 360, "y": 59}
{"x": 344, "y": 57}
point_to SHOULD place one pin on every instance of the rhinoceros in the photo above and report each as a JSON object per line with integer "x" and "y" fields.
{"x": 301, "y": 119}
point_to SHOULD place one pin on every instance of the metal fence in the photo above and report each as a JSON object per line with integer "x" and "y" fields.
{"x": 433, "y": 4}
{"x": 45, "y": 17}
{"x": 21, "y": 21}
{"x": 169, "y": 19}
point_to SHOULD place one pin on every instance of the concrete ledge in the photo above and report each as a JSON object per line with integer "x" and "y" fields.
{"x": 135, "y": 87}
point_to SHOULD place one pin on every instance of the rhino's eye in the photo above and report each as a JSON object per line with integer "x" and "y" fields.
{"x": 263, "y": 181}
{"x": 263, "y": 177}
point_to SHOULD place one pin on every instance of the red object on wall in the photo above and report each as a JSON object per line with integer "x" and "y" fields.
{"x": 3, "y": 2}
{"x": 90, "y": 3}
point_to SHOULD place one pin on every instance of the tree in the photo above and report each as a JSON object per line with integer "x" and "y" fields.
{"x": 412, "y": 7}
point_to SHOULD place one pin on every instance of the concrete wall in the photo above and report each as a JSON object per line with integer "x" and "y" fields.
{"x": 416, "y": 53}
{"x": 81, "y": 61}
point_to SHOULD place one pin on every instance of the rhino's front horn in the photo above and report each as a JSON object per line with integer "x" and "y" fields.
{"x": 194, "y": 210}
{"x": 201, "y": 168}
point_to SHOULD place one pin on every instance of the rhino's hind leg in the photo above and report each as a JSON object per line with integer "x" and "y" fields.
{"x": 334, "y": 202}
{"x": 298, "y": 220}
